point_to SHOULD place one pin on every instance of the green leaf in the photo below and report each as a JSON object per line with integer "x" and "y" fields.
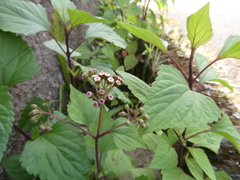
{"x": 14, "y": 169}
{"x": 171, "y": 104}
{"x": 130, "y": 61}
{"x": 138, "y": 87}
{"x": 24, "y": 121}
{"x": 120, "y": 95}
{"x": 230, "y": 48}
{"x": 84, "y": 51}
{"x": 53, "y": 45}
{"x": 199, "y": 27}
{"x": 62, "y": 7}
{"x": 141, "y": 172}
{"x": 133, "y": 9}
{"x": 151, "y": 140}
{"x": 123, "y": 3}
{"x": 202, "y": 160}
{"x": 17, "y": 61}
{"x": 117, "y": 163}
{"x": 146, "y": 36}
{"x": 80, "y": 109}
{"x": 165, "y": 156}
{"x": 221, "y": 175}
{"x": 57, "y": 155}
{"x": 132, "y": 47}
{"x": 78, "y": 17}
{"x": 23, "y": 17}
{"x": 175, "y": 173}
{"x": 108, "y": 51}
{"x": 106, "y": 33}
{"x": 210, "y": 74}
{"x": 194, "y": 168}
{"x": 6, "y": 111}
{"x": 126, "y": 137}
{"x": 225, "y": 128}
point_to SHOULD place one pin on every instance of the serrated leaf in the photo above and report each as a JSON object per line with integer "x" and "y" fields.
{"x": 17, "y": 61}
{"x": 132, "y": 47}
{"x": 194, "y": 168}
{"x": 138, "y": 87}
{"x": 141, "y": 172}
{"x": 151, "y": 140}
{"x": 53, "y": 45}
{"x": 221, "y": 175}
{"x": 126, "y": 137}
{"x": 146, "y": 36}
{"x": 133, "y": 9}
{"x": 24, "y": 121}
{"x": 171, "y": 104}
{"x": 225, "y": 128}
{"x": 175, "y": 173}
{"x": 6, "y": 118}
{"x": 210, "y": 74}
{"x": 130, "y": 61}
{"x": 57, "y": 155}
{"x": 117, "y": 163}
{"x": 62, "y": 7}
{"x": 80, "y": 109}
{"x": 102, "y": 31}
{"x": 165, "y": 156}
{"x": 23, "y": 17}
{"x": 14, "y": 169}
{"x": 202, "y": 160}
{"x": 78, "y": 17}
{"x": 120, "y": 95}
{"x": 199, "y": 27}
{"x": 231, "y": 48}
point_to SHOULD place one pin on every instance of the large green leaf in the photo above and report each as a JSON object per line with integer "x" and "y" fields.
{"x": 17, "y": 61}
{"x": 57, "y": 155}
{"x": 138, "y": 87}
{"x": 102, "y": 31}
{"x": 220, "y": 175}
{"x": 130, "y": 61}
{"x": 171, "y": 104}
{"x": 175, "y": 173}
{"x": 210, "y": 74}
{"x": 146, "y": 36}
{"x": 126, "y": 137}
{"x": 225, "y": 128}
{"x": 231, "y": 48}
{"x": 133, "y": 9}
{"x": 142, "y": 172}
{"x": 199, "y": 27}
{"x": 78, "y": 17}
{"x": 194, "y": 168}
{"x": 14, "y": 169}
{"x": 6, "y": 118}
{"x": 23, "y": 17}
{"x": 151, "y": 140}
{"x": 117, "y": 163}
{"x": 202, "y": 160}
{"x": 80, "y": 108}
{"x": 165, "y": 155}
{"x": 62, "y": 7}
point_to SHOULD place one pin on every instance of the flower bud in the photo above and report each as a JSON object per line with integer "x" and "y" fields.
{"x": 48, "y": 98}
{"x": 141, "y": 109}
{"x": 141, "y": 121}
{"x": 128, "y": 122}
{"x": 145, "y": 116}
{"x": 110, "y": 97}
{"x": 34, "y": 106}
{"x": 97, "y": 79}
{"x": 89, "y": 94}
{"x": 34, "y": 120}
{"x": 101, "y": 101}
{"x": 48, "y": 129}
{"x": 33, "y": 112}
{"x": 101, "y": 91}
{"x": 144, "y": 126}
{"x": 122, "y": 114}
{"x": 95, "y": 104}
{"x": 110, "y": 80}
{"x": 126, "y": 106}
{"x": 44, "y": 104}
{"x": 85, "y": 75}
{"x": 42, "y": 128}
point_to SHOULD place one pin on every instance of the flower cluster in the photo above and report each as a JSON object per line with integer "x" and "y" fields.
{"x": 103, "y": 83}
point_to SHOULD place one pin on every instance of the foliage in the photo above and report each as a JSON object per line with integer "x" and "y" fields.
{"x": 88, "y": 142}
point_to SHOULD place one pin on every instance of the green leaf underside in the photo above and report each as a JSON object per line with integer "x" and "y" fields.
{"x": 230, "y": 48}
{"x": 78, "y": 17}
{"x": 138, "y": 87}
{"x": 117, "y": 163}
{"x": 80, "y": 108}
{"x": 17, "y": 61}
{"x": 165, "y": 156}
{"x": 145, "y": 35}
{"x": 62, "y": 7}
{"x": 171, "y": 104}
{"x": 225, "y": 128}
{"x": 199, "y": 27}
{"x": 175, "y": 173}
{"x": 130, "y": 61}
{"x": 23, "y": 17}
{"x": 102, "y": 31}
{"x": 194, "y": 168}
{"x": 57, "y": 155}
{"x": 210, "y": 74}
{"x": 220, "y": 175}
{"x": 148, "y": 173}
{"x": 51, "y": 44}
{"x": 202, "y": 160}
{"x": 6, "y": 116}
{"x": 14, "y": 169}
{"x": 126, "y": 137}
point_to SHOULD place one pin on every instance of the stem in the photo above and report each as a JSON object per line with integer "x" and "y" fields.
{"x": 190, "y": 78}
{"x": 179, "y": 68}
{"x": 79, "y": 44}
{"x": 22, "y": 132}
{"x": 108, "y": 131}
{"x": 197, "y": 134}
